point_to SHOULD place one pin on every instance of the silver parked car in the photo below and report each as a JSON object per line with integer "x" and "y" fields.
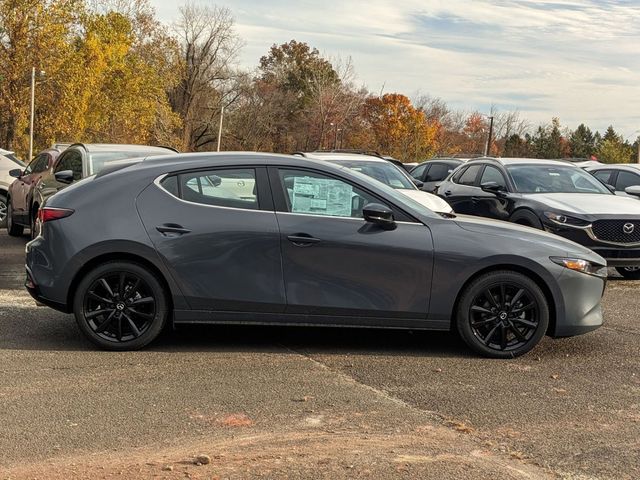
{"x": 6, "y": 165}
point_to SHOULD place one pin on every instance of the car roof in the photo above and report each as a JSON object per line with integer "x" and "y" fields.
{"x": 522, "y": 161}
{"x": 328, "y": 156}
{"x": 613, "y": 166}
{"x": 118, "y": 147}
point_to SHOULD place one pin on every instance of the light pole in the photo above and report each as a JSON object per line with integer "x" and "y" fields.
{"x": 33, "y": 109}
{"x": 220, "y": 127}
{"x": 488, "y": 145}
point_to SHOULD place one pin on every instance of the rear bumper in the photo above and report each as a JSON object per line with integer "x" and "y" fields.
{"x": 34, "y": 291}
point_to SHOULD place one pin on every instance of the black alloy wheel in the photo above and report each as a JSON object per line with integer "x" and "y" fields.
{"x": 120, "y": 306}
{"x": 629, "y": 273}
{"x": 502, "y": 314}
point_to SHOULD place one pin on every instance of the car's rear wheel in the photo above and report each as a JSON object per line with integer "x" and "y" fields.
{"x": 502, "y": 314}
{"x": 3, "y": 210}
{"x": 12, "y": 228}
{"x": 121, "y": 306}
{"x": 630, "y": 273}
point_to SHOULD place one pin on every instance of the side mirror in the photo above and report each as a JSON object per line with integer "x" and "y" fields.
{"x": 15, "y": 173}
{"x": 216, "y": 180}
{"x": 493, "y": 187}
{"x": 418, "y": 183}
{"x": 380, "y": 215}
{"x": 633, "y": 190}
{"x": 64, "y": 176}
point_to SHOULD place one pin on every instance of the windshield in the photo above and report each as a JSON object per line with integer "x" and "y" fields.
{"x": 384, "y": 172}
{"x": 98, "y": 160}
{"x": 554, "y": 179}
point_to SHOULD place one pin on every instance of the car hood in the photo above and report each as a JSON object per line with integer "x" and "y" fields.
{"x": 522, "y": 233}
{"x": 432, "y": 202}
{"x": 589, "y": 203}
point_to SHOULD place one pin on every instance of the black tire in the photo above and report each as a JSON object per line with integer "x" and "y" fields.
{"x": 33, "y": 231}
{"x": 13, "y": 229}
{"x": 497, "y": 327}
{"x": 527, "y": 218}
{"x": 630, "y": 273}
{"x": 121, "y": 326}
{"x": 3, "y": 210}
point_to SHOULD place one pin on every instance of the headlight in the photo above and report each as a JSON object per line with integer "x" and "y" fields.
{"x": 580, "y": 265}
{"x": 566, "y": 220}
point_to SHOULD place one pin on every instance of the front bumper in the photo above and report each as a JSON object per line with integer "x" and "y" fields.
{"x": 615, "y": 255}
{"x": 581, "y": 297}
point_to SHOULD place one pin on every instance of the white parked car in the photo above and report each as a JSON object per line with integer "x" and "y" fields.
{"x": 7, "y": 163}
{"x": 386, "y": 172}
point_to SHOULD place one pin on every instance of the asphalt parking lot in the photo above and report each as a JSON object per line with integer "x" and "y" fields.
{"x": 312, "y": 403}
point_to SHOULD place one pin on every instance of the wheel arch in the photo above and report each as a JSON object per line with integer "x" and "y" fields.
{"x": 120, "y": 256}
{"x": 551, "y": 299}
{"x": 524, "y": 209}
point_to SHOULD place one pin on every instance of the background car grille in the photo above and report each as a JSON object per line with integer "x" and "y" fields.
{"x": 613, "y": 231}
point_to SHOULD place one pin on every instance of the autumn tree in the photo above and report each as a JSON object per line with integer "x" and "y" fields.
{"x": 399, "y": 129}
{"x": 208, "y": 80}
{"x": 614, "y": 149}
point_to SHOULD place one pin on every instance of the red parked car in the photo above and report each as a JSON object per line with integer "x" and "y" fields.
{"x": 22, "y": 204}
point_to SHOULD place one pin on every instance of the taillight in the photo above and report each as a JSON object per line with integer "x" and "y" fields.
{"x": 47, "y": 214}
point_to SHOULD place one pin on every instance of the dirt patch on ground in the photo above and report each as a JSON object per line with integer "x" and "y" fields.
{"x": 312, "y": 454}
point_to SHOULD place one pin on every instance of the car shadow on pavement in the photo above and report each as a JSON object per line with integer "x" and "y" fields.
{"x": 31, "y": 328}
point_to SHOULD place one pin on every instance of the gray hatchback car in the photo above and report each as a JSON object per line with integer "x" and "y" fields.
{"x": 271, "y": 239}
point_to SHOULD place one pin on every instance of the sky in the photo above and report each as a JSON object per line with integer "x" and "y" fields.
{"x": 578, "y": 60}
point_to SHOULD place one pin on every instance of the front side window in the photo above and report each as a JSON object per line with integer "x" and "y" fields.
{"x": 419, "y": 171}
{"x": 492, "y": 174}
{"x": 626, "y": 179}
{"x": 603, "y": 175}
{"x": 469, "y": 176}
{"x": 71, "y": 160}
{"x": 234, "y": 188}
{"x": 316, "y": 194}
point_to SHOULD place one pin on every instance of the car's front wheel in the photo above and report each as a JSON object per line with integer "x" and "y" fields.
{"x": 120, "y": 306}
{"x": 502, "y": 314}
{"x": 629, "y": 273}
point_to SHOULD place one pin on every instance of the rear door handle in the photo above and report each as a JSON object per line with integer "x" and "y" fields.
{"x": 447, "y": 192}
{"x": 302, "y": 240}
{"x": 172, "y": 228}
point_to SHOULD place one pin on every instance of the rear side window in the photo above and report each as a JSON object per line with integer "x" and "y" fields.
{"x": 469, "y": 176}
{"x": 626, "y": 179}
{"x": 233, "y": 188}
{"x": 438, "y": 172}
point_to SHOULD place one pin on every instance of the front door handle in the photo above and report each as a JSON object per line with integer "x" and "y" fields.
{"x": 172, "y": 228}
{"x": 448, "y": 192}
{"x": 302, "y": 240}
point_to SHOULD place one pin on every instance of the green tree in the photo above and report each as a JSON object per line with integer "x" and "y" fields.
{"x": 582, "y": 142}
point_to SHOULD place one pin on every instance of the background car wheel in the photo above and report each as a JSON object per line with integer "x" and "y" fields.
{"x": 13, "y": 229}
{"x": 526, "y": 217}
{"x": 34, "y": 232}
{"x": 502, "y": 314}
{"x": 3, "y": 210}
{"x": 630, "y": 273}
{"x": 120, "y": 306}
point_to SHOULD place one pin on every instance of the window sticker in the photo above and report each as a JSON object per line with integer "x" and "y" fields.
{"x": 321, "y": 196}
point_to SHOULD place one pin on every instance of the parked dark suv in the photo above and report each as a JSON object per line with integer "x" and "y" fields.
{"x": 22, "y": 210}
{"x": 432, "y": 172}
{"x": 556, "y": 196}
